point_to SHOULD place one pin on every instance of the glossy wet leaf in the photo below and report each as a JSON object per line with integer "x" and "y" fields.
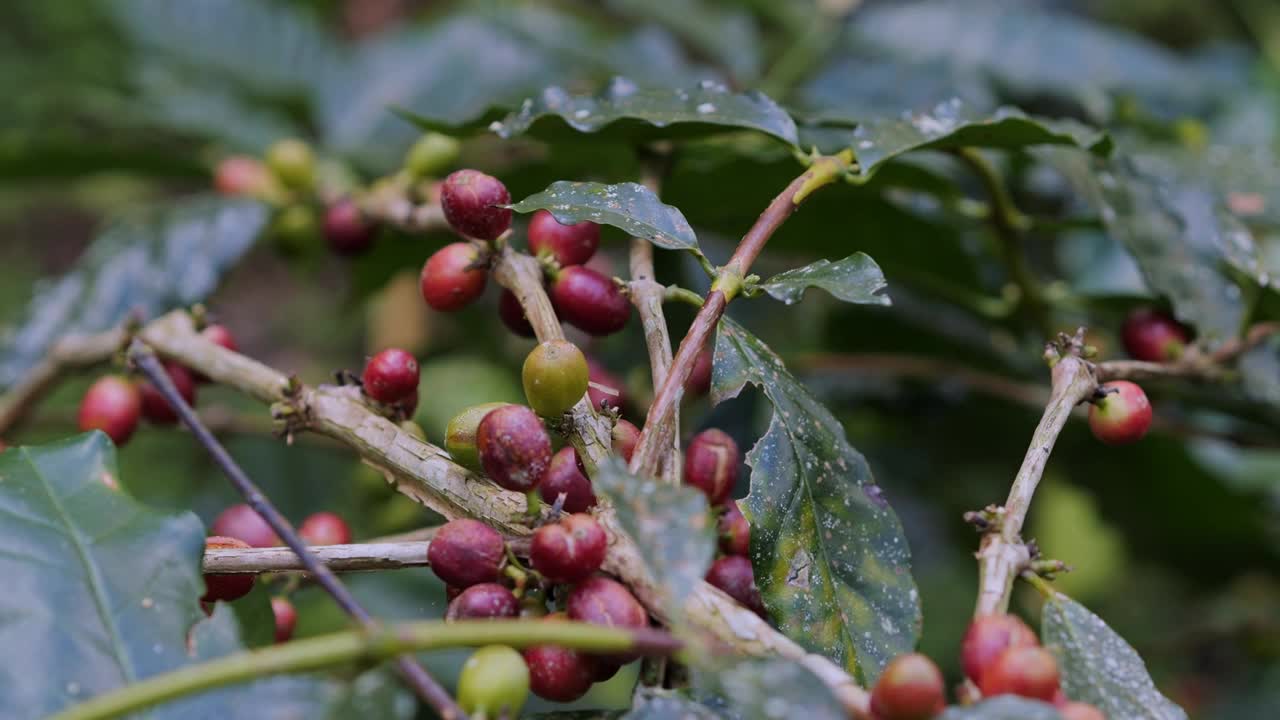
{"x": 1099, "y": 667}
{"x": 625, "y": 111}
{"x": 670, "y": 524}
{"x": 149, "y": 261}
{"x": 1006, "y": 707}
{"x": 855, "y": 279}
{"x": 631, "y": 207}
{"x": 830, "y": 556}
{"x": 658, "y": 704}
{"x": 1260, "y": 372}
{"x": 768, "y": 689}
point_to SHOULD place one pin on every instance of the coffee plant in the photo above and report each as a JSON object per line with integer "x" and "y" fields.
{"x": 557, "y": 329}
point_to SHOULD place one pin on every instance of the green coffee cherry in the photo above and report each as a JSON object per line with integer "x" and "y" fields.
{"x": 293, "y": 163}
{"x": 432, "y": 154}
{"x": 555, "y": 377}
{"x": 294, "y": 229}
{"x": 460, "y": 435}
{"x": 494, "y": 682}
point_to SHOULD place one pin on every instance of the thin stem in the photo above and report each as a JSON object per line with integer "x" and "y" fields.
{"x": 675, "y": 293}
{"x": 357, "y": 646}
{"x": 338, "y": 558}
{"x": 1002, "y": 555}
{"x": 658, "y": 426}
{"x": 1008, "y": 223}
{"x": 415, "y": 675}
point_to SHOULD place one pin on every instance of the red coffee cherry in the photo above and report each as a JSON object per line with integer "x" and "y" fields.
{"x": 243, "y": 523}
{"x": 558, "y": 674}
{"x": 569, "y": 550}
{"x": 1080, "y": 711}
{"x": 699, "y": 381}
{"x": 155, "y": 408}
{"x": 1153, "y": 336}
{"x": 1031, "y": 672}
{"x": 483, "y": 601}
{"x": 601, "y": 601}
{"x": 241, "y": 175}
{"x": 987, "y": 637}
{"x": 735, "y": 531}
{"x": 590, "y": 301}
{"x": 569, "y": 244}
{"x": 453, "y": 277}
{"x": 732, "y": 575}
{"x": 466, "y": 552}
{"x": 515, "y": 449}
{"x": 711, "y": 464}
{"x": 286, "y": 618}
{"x": 225, "y": 587}
{"x": 325, "y": 528}
{"x": 625, "y": 438}
{"x": 564, "y": 476}
{"x": 113, "y": 405}
{"x": 391, "y": 376}
{"x": 910, "y": 688}
{"x": 597, "y": 375}
{"x": 346, "y": 229}
{"x": 1122, "y": 416}
{"x": 470, "y": 200}
{"x": 555, "y": 377}
{"x": 512, "y": 315}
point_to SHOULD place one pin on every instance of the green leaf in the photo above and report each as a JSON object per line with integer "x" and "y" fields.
{"x": 671, "y": 525}
{"x": 1260, "y": 371}
{"x": 1005, "y": 707}
{"x": 631, "y": 207}
{"x": 831, "y": 559}
{"x": 953, "y": 124}
{"x": 149, "y": 261}
{"x": 761, "y": 689}
{"x": 730, "y": 36}
{"x": 623, "y": 111}
{"x": 1098, "y": 666}
{"x": 658, "y": 704}
{"x": 855, "y": 279}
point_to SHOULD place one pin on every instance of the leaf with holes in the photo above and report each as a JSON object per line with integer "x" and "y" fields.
{"x": 670, "y": 524}
{"x": 1099, "y": 667}
{"x": 631, "y": 207}
{"x": 855, "y": 279}
{"x": 830, "y": 556}
{"x": 624, "y": 111}
{"x": 1006, "y": 707}
{"x": 149, "y": 261}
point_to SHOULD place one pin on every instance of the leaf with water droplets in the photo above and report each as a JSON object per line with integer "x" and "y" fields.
{"x": 830, "y": 556}
{"x": 658, "y": 704}
{"x": 1260, "y": 371}
{"x": 769, "y": 689}
{"x": 630, "y": 207}
{"x": 671, "y": 524}
{"x": 855, "y": 279}
{"x": 1005, "y": 707}
{"x": 1099, "y": 667}
{"x": 624, "y": 111}
{"x": 952, "y": 125}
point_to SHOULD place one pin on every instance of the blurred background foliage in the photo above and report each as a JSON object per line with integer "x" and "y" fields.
{"x": 114, "y": 106}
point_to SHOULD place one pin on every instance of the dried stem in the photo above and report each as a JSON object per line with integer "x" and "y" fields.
{"x": 414, "y": 674}
{"x": 361, "y": 647}
{"x": 338, "y": 558}
{"x": 658, "y": 425}
{"x": 69, "y": 353}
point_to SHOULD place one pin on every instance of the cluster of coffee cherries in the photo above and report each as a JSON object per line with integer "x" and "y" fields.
{"x": 1121, "y": 413}
{"x": 116, "y": 404}
{"x": 1000, "y": 656}
{"x": 240, "y": 526}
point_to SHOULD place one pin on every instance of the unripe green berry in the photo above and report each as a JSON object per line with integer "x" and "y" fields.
{"x": 431, "y": 154}
{"x": 555, "y": 377}
{"x": 460, "y": 435}
{"x": 293, "y": 228}
{"x": 293, "y": 163}
{"x": 494, "y": 682}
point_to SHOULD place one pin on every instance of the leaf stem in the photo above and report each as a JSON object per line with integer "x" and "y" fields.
{"x": 364, "y": 646}
{"x": 414, "y": 674}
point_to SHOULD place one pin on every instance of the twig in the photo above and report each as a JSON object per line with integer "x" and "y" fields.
{"x": 1002, "y": 554}
{"x": 426, "y": 474}
{"x": 658, "y": 426}
{"x": 68, "y": 353}
{"x": 357, "y": 557}
{"x": 1008, "y": 223}
{"x": 417, "y": 677}
{"x": 1193, "y": 365}
{"x": 360, "y": 647}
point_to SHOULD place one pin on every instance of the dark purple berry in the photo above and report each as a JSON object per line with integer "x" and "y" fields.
{"x": 564, "y": 476}
{"x": 346, "y": 229}
{"x": 568, "y": 244}
{"x": 486, "y": 600}
{"x": 569, "y": 550}
{"x": 732, "y": 575}
{"x": 590, "y": 301}
{"x": 515, "y": 449}
{"x": 466, "y": 552}
{"x": 711, "y": 464}
{"x": 471, "y": 202}
{"x": 512, "y": 315}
